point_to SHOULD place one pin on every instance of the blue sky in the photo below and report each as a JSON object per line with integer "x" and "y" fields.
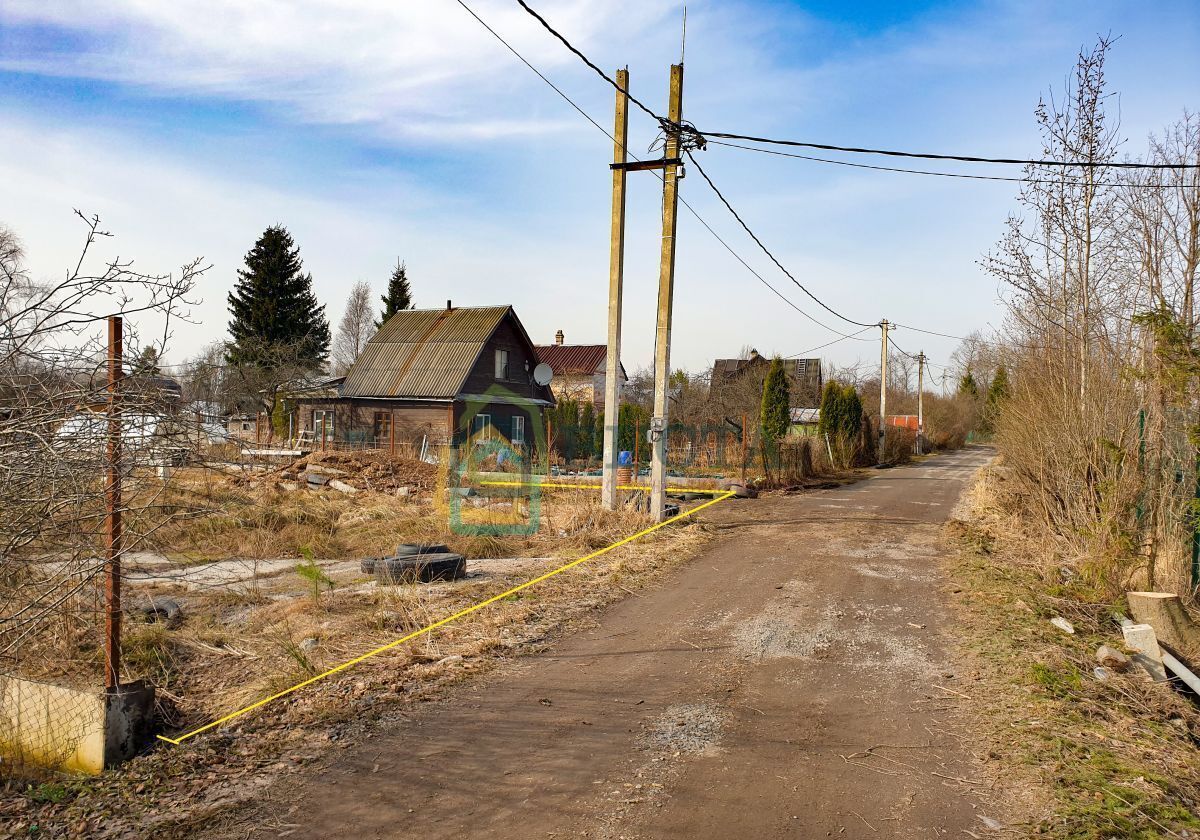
{"x": 377, "y": 130}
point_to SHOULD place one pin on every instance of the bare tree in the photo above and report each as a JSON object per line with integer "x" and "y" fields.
{"x": 355, "y": 329}
{"x": 52, "y": 461}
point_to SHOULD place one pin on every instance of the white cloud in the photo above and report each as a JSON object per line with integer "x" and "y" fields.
{"x": 406, "y": 68}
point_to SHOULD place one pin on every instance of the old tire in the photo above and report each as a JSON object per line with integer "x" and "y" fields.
{"x": 367, "y": 565}
{"x": 166, "y": 610}
{"x": 414, "y": 549}
{"x": 420, "y": 568}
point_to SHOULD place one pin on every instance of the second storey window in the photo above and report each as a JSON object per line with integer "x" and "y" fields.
{"x": 502, "y": 364}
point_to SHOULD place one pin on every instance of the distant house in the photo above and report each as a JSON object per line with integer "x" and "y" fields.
{"x": 580, "y": 370}
{"x": 433, "y": 376}
{"x": 804, "y": 421}
{"x": 804, "y": 375}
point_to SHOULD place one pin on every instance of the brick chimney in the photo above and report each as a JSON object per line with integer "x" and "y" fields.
{"x": 558, "y": 338}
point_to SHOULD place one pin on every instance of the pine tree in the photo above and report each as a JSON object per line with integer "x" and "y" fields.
{"x": 399, "y": 294}
{"x": 274, "y": 314}
{"x": 147, "y": 362}
{"x": 775, "y": 417}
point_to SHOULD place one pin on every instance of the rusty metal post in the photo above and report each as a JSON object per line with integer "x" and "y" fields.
{"x": 616, "y": 268}
{"x": 322, "y": 432}
{"x": 666, "y": 295}
{"x": 112, "y": 505}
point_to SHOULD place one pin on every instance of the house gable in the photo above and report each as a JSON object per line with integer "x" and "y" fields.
{"x": 490, "y": 376}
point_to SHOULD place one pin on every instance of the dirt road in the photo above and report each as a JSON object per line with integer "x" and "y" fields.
{"x": 792, "y": 681}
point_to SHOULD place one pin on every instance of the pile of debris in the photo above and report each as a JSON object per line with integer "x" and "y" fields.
{"x": 351, "y": 472}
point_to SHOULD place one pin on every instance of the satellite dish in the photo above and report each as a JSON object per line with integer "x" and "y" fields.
{"x": 543, "y": 373}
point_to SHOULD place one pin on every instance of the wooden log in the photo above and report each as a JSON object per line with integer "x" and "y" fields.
{"x": 1172, "y": 625}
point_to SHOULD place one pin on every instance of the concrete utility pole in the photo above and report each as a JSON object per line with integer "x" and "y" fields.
{"x": 921, "y": 403}
{"x": 112, "y": 513}
{"x": 666, "y": 291}
{"x": 883, "y": 378}
{"x": 616, "y": 269}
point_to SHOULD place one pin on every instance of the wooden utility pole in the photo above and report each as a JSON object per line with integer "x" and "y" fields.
{"x": 883, "y": 379}
{"x": 666, "y": 293}
{"x": 112, "y": 505}
{"x": 616, "y": 269}
{"x": 921, "y": 403}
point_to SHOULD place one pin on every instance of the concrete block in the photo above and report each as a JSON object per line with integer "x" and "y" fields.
{"x": 1141, "y": 639}
{"x": 73, "y": 730}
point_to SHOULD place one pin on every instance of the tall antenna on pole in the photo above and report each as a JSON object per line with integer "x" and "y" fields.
{"x": 683, "y": 41}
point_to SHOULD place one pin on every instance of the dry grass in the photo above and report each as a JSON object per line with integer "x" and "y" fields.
{"x": 1081, "y": 757}
{"x": 238, "y": 644}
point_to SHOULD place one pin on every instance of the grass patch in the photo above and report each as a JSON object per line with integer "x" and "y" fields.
{"x": 1084, "y": 758}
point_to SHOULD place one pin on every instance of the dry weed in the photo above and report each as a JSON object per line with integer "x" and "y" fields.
{"x": 1081, "y": 756}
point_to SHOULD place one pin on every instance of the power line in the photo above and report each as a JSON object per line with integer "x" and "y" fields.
{"x": 662, "y": 121}
{"x": 803, "y": 353}
{"x": 606, "y": 133}
{"x": 763, "y": 280}
{"x": 901, "y": 350}
{"x": 698, "y": 137}
{"x": 513, "y": 50}
{"x": 767, "y": 250}
{"x": 962, "y": 175}
{"x": 1084, "y": 164}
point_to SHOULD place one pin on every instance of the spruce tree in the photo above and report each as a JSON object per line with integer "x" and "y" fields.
{"x": 399, "y": 294}
{"x": 275, "y": 319}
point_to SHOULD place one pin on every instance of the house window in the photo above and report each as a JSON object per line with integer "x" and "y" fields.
{"x": 247, "y": 426}
{"x": 323, "y": 416}
{"x": 383, "y": 426}
{"x": 502, "y": 364}
{"x": 518, "y": 431}
{"x": 482, "y": 427}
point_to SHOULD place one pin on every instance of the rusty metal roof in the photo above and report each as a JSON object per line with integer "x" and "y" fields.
{"x": 567, "y": 359}
{"x": 423, "y": 352}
